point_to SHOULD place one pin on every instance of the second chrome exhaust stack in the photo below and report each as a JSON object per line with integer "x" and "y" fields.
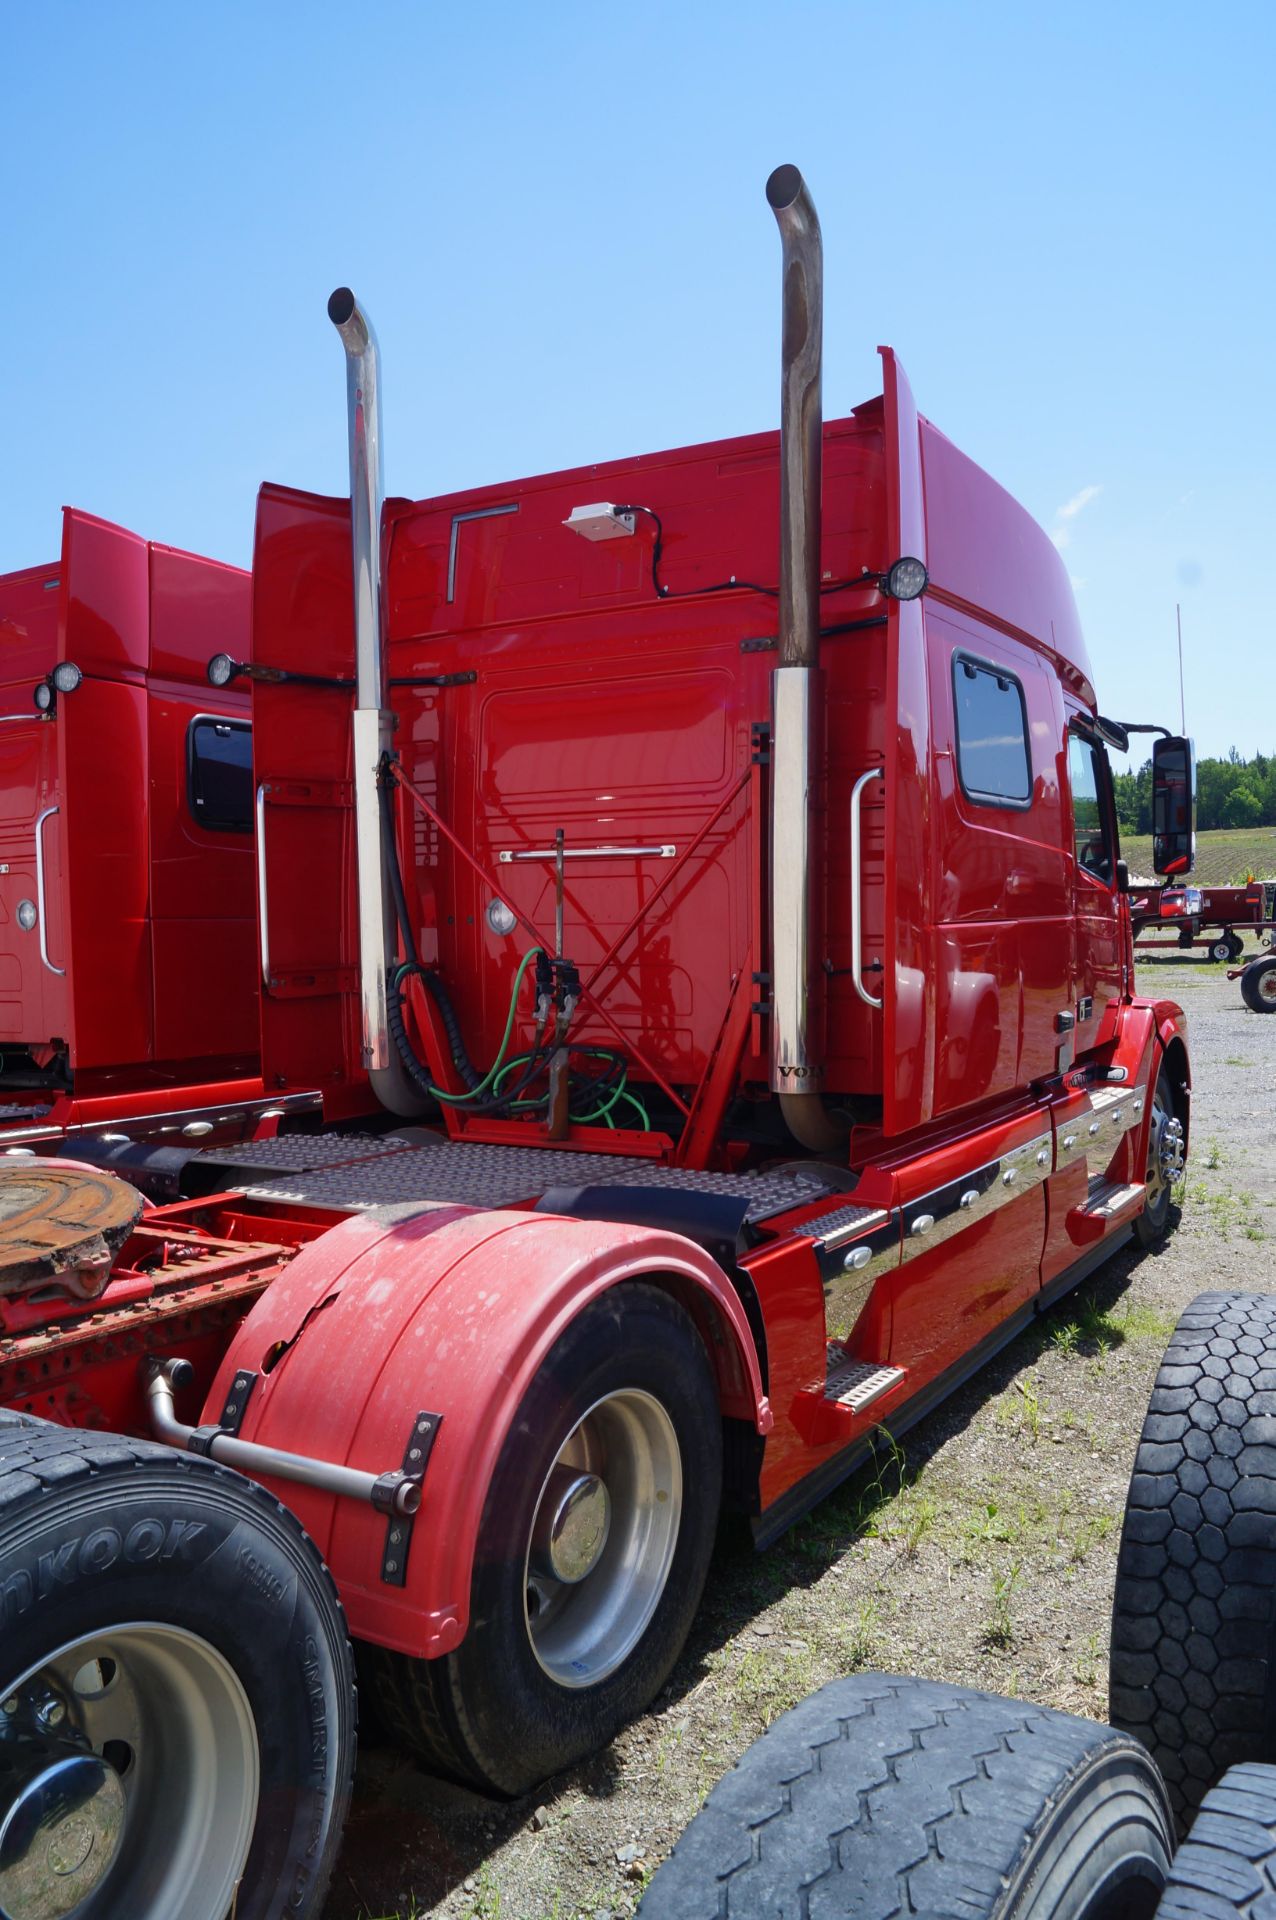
{"x": 795, "y": 1075}
{"x": 372, "y": 723}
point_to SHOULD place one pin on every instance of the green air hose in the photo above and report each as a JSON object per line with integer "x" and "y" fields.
{"x": 498, "y": 1068}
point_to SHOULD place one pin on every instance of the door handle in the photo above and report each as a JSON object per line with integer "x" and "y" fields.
{"x": 263, "y": 897}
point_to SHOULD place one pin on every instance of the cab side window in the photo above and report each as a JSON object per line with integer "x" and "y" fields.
{"x": 219, "y": 773}
{"x": 1089, "y": 826}
{"x": 993, "y": 760}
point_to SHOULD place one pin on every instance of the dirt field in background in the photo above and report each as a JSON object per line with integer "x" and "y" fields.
{"x": 984, "y": 1554}
{"x": 1225, "y": 856}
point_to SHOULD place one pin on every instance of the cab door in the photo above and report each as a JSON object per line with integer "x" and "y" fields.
{"x": 35, "y": 999}
{"x": 1098, "y": 969}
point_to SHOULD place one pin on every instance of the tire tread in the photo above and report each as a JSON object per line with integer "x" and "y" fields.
{"x": 1192, "y": 1622}
{"x": 879, "y": 1795}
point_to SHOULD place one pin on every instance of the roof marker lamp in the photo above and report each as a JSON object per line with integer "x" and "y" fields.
{"x": 221, "y": 670}
{"x": 907, "y": 579}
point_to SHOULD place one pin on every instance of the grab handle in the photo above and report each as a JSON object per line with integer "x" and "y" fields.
{"x": 39, "y": 887}
{"x": 263, "y": 898}
{"x": 857, "y": 956}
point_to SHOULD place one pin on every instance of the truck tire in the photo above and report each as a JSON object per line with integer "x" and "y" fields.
{"x": 1226, "y": 1868}
{"x": 1165, "y": 1163}
{"x": 176, "y": 1691}
{"x": 1193, "y": 1638}
{"x": 882, "y": 1796}
{"x": 1258, "y": 984}
{"x": 622, "y": 1420}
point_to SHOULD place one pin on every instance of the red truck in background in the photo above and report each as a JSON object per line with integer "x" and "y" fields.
{"x": 738, "y": 924}
{"x": 128, "y": 943}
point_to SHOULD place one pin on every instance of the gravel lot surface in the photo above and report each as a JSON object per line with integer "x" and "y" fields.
{"x": 984, "y": 1554}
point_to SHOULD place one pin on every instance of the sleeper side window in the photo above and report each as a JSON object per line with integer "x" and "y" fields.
{"x": 993, "y": 758}
{"x": 1089, "y": 827}
{"x": 219, "y": 773}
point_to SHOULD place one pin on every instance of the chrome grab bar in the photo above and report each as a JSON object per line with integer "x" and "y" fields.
{"x": 39, "y": 887}
{"x": 665, "y": 852}
{"x": 857, "y": 956}
{"x": 263, "y": 904}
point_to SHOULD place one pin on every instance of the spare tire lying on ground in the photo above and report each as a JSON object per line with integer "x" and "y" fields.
{"x": 1227, "y": 1864}
{"x": 1193, "y": 1636}
{"x": 880, "y": 1796}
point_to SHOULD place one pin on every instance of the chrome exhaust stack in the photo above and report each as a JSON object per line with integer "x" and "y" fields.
{"x": 373, "y": 723}
{"x": 795, "y": 1076}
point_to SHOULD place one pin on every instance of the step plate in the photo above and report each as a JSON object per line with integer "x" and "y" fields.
{"x": 1106, "y": 1199}
{"x": 857, "y": 1383}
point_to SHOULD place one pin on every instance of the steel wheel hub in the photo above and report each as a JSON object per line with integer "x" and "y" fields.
{"x": 603, "y": 1538}
{"x": 572, "y": 1524}
{"x": 128, "y": 1781}
{"x": 1267, "y": 984}
{"x": 1167, "y": 1152}
{"x": 64, "y": 1812}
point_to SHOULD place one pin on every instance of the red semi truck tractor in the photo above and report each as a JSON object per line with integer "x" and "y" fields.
{"x": 128, "y": 962}
{"x": 707, "y": 863}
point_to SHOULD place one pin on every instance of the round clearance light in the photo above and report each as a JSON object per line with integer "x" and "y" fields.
{"x": 43, "y": 696}
{"x": 26, "y": 915}
{"x": 66, "y": 676}
{"x": 907, "y": 579}
{"x": 500, "y": 918}
{"x": 221, "y": 670}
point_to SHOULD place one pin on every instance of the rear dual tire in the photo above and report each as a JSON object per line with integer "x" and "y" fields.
{"x": 551, "y": 1668}
{"x": 176, "y": 1691}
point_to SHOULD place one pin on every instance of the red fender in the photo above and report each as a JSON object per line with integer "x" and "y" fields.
{"x": 1147, "y": 1030}
{"x": 449, "y": 1312}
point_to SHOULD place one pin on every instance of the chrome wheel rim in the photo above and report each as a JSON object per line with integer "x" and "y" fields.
{"x": 602, "y": 1539}
{"x": 130, "y": 1775}
{"x": 1166, "y": 1151}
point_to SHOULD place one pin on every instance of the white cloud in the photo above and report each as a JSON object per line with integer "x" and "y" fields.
{"x": 1071, "y": 508}
{"x": 1061, "y": 532}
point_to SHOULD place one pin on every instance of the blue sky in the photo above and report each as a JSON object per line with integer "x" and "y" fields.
{"x": 1060, "y": 217}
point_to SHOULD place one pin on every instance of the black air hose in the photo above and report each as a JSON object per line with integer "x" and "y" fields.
{"x": 464, "y": 1066}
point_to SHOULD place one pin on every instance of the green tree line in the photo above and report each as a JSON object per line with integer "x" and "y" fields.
{"x": 1229, "y": 793}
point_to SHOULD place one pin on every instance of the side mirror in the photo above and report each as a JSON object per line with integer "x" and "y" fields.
{"x": 1173, "y": 805}
{"x": 1122, "y": 877}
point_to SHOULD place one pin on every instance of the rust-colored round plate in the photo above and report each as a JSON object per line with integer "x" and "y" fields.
{"x": 61, "y": 1224}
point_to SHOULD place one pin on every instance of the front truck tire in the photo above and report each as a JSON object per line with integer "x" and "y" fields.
{"x": 176, "y": 1690}
{"x": 1193, "y": 1662}
{"x": 592, "y": 1554}
{"x": 1165, "y": 1163}
{"x": 882, "y": 1796}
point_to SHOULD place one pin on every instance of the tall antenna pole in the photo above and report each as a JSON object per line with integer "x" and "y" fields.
{"x": 1178, "y": 615}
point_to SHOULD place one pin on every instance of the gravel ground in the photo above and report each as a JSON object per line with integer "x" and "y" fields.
{"x": 983, "y": 1554}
